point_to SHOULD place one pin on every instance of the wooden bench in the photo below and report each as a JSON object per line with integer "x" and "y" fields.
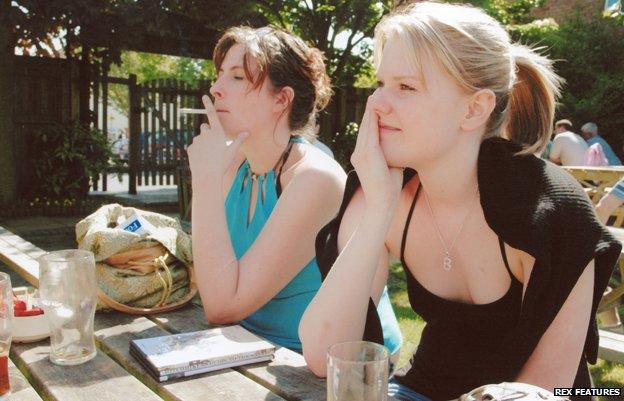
{"x": 611, "y": 346}
{"x": 115, "y": 375}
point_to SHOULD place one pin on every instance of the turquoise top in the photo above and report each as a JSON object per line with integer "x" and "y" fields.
{"x": 278, "y": 320}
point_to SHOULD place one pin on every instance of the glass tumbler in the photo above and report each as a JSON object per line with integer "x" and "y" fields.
{"x": 68, "y": 294}
{"x": 357, "y": 371}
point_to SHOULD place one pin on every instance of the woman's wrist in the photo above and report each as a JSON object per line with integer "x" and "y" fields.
{"x": 381, "y": 208}
{"x": 206, "y": 183}
{"x": 377, "y": 217}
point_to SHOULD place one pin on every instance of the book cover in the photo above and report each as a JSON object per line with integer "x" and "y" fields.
{"x": 201, "y": 351}
{"x": 187, "y": 373}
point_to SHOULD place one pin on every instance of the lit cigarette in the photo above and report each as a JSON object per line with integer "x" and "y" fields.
{"x": 184, "y": 110}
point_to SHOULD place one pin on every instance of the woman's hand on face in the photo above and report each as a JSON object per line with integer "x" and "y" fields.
{"x": 210, "y": 156}
{"x": 381, "y": 184}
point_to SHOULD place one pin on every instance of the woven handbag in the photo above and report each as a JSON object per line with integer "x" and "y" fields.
{"x": 138, "y": 273}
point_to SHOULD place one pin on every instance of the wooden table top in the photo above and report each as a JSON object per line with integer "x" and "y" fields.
{"x": 115, "y": 375}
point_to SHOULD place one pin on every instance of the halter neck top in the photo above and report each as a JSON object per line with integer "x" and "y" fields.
{"x": 278, "y": 320}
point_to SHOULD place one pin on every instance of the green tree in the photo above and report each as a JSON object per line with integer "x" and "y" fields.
{"x": 40, "y": 25}
{"x": 323, "y": 22}
{"x": 510, "y": 12}
{"x": 590, "y": 56}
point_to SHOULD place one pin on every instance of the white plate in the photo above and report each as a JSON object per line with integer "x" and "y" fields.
{"x": 29, "y": 328}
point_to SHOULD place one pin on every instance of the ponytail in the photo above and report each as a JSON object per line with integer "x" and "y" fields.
{"x": 531, "y": 108}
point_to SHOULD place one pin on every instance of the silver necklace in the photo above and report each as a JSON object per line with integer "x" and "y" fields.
{"x": 448, "y": 261}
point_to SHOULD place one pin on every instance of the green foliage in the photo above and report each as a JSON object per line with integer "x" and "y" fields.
{"x": 65, "y": 157}
{"x": 506, "y": 11}
{"x": 320, "y": 22}
{"x": 342, "y": 144}
{"x": 511, "y": 12}
{"x": 590, "y": 56}
{"x": 57, "y": 28}
{"x": 534, "y": 32}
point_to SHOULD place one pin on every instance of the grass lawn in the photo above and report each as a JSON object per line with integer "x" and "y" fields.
{"x": 604, "y": 373}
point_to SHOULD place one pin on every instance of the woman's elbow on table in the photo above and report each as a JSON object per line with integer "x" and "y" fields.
{"x": 221, "y": 316}
{"x": 316, "y": 361}
{"x": 313, "y": 346}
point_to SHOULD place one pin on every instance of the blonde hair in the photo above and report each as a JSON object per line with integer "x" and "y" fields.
{"x": 477, "y": 52}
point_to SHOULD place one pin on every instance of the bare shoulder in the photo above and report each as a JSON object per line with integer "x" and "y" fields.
{"x": 309, "y": 167}
{"x": 520, "y": 263}
{"x": 526, "y": 266}
{"x": 357, "y": 205}
{"x": 395, "y": 233}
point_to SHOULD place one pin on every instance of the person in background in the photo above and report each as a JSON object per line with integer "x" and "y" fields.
{"x": 568, "y": 148}
{"x": 591, "y": 136}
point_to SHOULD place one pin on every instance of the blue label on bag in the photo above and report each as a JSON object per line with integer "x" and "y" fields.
{"x": 133, "y": 226}
{"x": 137, "y": 224}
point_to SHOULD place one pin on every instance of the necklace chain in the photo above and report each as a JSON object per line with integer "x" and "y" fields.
{"x": 448, "y": 261}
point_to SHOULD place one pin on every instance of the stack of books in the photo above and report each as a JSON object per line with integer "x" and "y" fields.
{"x": 180, "y": 355}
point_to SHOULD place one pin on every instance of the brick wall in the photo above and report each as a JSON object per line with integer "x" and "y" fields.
{"x": 560, "y": 10}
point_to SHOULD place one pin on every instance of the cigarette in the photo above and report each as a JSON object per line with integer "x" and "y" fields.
{"x": 184, "y": 110}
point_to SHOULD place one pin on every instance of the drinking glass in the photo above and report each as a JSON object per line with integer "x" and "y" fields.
{"x": 68, "y": 293}
{"x": 6, "y": 319}
{"x": 357, "y": 371}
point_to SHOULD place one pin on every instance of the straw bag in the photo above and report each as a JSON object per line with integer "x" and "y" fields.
{"x": 138, "y": 273}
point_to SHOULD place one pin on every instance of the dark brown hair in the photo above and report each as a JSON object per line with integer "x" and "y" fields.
{"x": 287, "y": 61}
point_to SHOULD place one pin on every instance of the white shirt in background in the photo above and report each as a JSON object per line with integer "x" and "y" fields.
{"x": 568, "y": 149}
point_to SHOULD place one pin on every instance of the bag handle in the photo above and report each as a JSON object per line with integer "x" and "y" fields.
{"x": 112, "y": 304}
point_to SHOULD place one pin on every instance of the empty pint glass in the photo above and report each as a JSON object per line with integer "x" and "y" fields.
{"x": 68, "y": 292}
{"x": 357, "y": 371}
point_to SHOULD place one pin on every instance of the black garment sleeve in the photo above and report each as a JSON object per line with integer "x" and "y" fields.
{"x": 539, "y": 208}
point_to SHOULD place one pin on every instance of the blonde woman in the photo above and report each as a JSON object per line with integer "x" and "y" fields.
{"x": 447, "y": 181}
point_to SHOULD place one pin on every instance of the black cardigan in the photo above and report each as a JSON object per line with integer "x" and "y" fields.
{"x": 534, "y": 206}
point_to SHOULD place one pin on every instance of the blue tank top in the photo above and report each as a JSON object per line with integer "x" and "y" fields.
{"x": 278, "y": 320}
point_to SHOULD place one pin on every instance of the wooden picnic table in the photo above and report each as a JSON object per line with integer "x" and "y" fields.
{"x": 115, "y": 375}
{"x": 596, "y": 179}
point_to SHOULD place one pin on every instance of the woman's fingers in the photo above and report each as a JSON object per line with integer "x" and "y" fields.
{"x": 211, "y": 113}
{"x": 363, "y": 133}
{"x": 372, "y": 129}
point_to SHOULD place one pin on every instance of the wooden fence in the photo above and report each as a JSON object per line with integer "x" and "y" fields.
{"x": 159, "y": 134}
{"x": 347, "y": 105}
{"x": 46, "y": 93}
